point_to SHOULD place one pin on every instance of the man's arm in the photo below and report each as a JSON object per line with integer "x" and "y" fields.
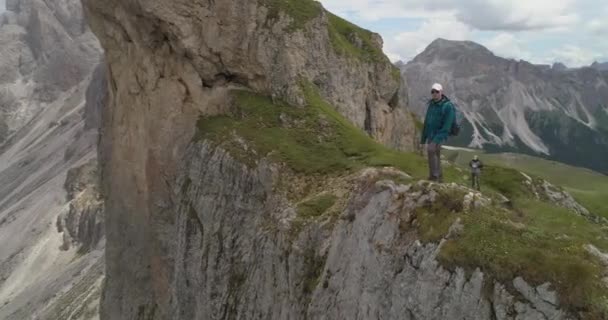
{"x": 449, "y": 117}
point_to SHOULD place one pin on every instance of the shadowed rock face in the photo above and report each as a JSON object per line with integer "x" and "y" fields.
{"x": 47, "y": 58}
{"x": 517, "y": 106}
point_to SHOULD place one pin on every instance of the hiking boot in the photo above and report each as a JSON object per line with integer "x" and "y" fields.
{"x": 436, "y": 179}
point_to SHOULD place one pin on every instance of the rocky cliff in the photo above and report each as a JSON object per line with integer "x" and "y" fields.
{"x": 51, "y": 244}
{"x": 241, "y": 181}
{"x": 510, "y": 105}
{"x": 82, "y": 223}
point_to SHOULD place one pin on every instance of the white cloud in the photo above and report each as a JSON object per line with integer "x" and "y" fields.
{"x": 574, "y": 56}
{"x": 406, "y": 45}
{"x": 598, "y": 27}
{"x": 517, "y": 15}
{"x": 478, "y": 14}
{"x": 508, "y": 45}
{"x": 540, "y": 31}
{"x": 380, "y": 9}
{"x": 394, "y": 57}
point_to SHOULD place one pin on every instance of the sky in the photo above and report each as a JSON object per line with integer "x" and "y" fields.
{"x": 573, "y": 32}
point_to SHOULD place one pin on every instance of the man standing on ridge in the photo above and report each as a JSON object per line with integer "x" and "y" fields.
{"x": 476, "y": 166}
{"x": 438, "y": 121}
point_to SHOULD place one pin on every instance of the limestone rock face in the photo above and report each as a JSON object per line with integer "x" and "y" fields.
{"x": 195, "y": 233}
{"x": 255, "y": 44}
{"x": 82, "y": 222}
{"x": 236, "y": 254}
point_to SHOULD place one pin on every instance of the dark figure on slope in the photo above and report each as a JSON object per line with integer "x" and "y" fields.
{"x": 476, "y": 166}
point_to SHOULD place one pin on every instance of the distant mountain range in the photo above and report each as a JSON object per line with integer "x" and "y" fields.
{"x": 553, "y": 111}
{"x": 600, "y": 66}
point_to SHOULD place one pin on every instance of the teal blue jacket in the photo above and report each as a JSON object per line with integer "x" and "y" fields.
{"x": 438, "y": 121}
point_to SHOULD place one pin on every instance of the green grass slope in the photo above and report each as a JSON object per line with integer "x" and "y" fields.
{"x": 588, "y": 187}
{"x": 533, "y": 239}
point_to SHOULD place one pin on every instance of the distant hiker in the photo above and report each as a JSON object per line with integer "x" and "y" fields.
{"x": 438, "y": 122}
{"x": 476, "y": 166}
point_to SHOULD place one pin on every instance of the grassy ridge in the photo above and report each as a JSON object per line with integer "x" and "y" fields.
{"x": 311, "y": 140}
{"x": 535, "y": 240}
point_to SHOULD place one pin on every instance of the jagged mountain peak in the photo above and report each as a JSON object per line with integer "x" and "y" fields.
{"x": 443, "y": 44}
{"x": 448, "y": 50}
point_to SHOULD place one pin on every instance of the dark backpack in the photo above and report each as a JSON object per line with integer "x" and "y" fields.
{"x": 458, "y": 116}
{"x": 457, "y": 123}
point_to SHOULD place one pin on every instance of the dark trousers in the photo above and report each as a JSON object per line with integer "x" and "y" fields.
{"x": 475, "y": 181}
{"x": 434, "y": 157}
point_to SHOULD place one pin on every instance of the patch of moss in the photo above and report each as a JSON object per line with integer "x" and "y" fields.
{"x": 316, "y": 206}
{"x": 396, "y": 73}
{"x": 300, "y": 11}
{"x": 351, "y": 40}
{"x": 313, "y": 266}
{"x": 395, "y": 178}
{"x": 435, "y": 219}
{"x": 325, "y": 206}
{"x": 509, "y": 182}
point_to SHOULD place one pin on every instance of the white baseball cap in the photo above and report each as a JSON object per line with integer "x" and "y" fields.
{"x": 437, "y": 87}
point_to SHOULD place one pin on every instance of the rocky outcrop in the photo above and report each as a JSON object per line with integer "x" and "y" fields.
{"x": 544, "y": 190}
{"x": 82, "y": 223}
{"x": 562, "y": 198}
{"x": 244, "y": 253}
{"x": 267, "y": 46}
